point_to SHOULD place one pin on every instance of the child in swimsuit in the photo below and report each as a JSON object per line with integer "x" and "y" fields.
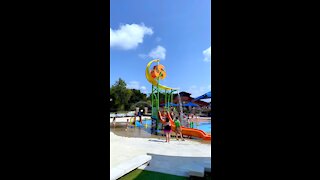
{"x": 167, "y": 130}
{"x": 178, "y": 130}
{"x": 127, "y": 125}
{"x": 114, "y": 122}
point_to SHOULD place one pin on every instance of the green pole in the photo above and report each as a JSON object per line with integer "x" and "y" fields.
{"x": 152, "y": 101}
{"x": 165, "y": 99}
{"x": 172, "y": 96}
{"x": 169, "y": 99}
{"x": 158, "y": 95}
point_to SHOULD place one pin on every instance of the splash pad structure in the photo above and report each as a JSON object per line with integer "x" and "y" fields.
{"x": 154, "y": 76}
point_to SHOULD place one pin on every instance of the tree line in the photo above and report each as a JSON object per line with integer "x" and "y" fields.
{"x": 124, "y": 99}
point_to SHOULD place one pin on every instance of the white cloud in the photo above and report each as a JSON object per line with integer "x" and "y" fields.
{"x": 158, "y": 53}
{"x": 207, "y": 54}
{"x": 136, "y": 85}
{"x": 143, "y": 89}
{"x": 129, "y": 36}
{"x": 133, "y": 85}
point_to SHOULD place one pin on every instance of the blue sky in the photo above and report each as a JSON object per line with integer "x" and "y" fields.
{"x": 176, "y": 31}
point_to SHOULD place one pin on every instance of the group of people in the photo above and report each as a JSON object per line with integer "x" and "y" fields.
{"x": 139, "y": 114}
{"x": 166, "y": 122}
{"x": 168, "y": 127}
{"x": 191, "y": 120}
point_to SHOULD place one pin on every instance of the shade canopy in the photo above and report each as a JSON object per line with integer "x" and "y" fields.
{"x": 204, "y": 96}
{"x": 190, "y": 104}
{"x": 170, "y": 104}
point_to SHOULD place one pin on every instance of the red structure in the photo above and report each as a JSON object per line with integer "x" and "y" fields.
{"x": 186, "y": 98}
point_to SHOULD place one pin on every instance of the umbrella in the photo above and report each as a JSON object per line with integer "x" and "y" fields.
{"x": 170, "y": 104}
{"x": 191, "y": 104}
{"x": 205, "y": 96}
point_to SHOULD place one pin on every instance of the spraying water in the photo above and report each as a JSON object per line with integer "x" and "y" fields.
{"x": 181, "y": 110}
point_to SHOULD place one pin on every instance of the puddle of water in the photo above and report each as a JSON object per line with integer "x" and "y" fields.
{"x": 144, "y": 131}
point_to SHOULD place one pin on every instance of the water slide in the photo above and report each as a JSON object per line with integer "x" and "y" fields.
{"x": 187, "y": 131}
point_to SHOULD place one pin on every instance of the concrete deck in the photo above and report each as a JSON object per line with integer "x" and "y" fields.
{"x": 176, "y": 157}
{"x": 178, "y": 165}
{"x": 128, "y": 166}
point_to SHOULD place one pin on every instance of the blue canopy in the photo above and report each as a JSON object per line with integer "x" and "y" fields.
{"x": 191, "y": 104}
{"x": 170, "y": 104}
{"x": 205, "y": 96}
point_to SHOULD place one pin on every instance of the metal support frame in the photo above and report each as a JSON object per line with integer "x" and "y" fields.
{"x": 155, "y": 102}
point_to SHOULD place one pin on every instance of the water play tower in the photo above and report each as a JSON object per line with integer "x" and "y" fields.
{"x": 154, "y": 75}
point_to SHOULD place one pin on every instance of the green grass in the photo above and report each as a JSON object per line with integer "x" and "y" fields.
{"x": 207, "y": 176}
{"x": 147, "y": 175}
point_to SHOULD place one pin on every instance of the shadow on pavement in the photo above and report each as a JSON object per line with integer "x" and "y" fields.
{"x": 154, "y": 140}
{"x": 176, "y": 165}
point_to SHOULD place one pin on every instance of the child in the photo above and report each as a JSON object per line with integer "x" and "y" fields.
{"x": 178, "y": 130}
{"x": 140, "y": 118}
{"x": 134, "y": 120}
{"x": 127, "y": 125}
{"x": 114, "y": 122}
{"x": 167, "y": 129}
{"x": 191, "y": 121}
{"x": 172, "y": 114}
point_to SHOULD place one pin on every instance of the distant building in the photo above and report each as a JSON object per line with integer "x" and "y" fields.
{"x": 186, "y": 98}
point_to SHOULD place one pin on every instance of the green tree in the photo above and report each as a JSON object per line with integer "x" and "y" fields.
{"x": 120, "y": 95}
{"x": 137, "y": 96}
